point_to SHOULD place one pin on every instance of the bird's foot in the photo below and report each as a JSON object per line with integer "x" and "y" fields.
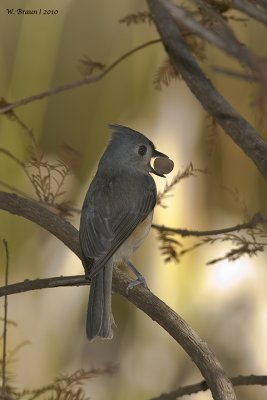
{"x": 139, "y": 281}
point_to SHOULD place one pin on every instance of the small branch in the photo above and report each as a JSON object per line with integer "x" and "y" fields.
{"x": 252, "y": 223}
{"x": 13, "y": 189}
{"x": 235, "y": 74}
{"x": 202, "y": 386}
{"x": 76, "y": 84}
{"x": 241, "y": 132}
{"x": 12, "y": 157}
{"x": 47, "y": 283}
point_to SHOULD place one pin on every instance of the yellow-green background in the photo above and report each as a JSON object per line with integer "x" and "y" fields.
{"x": 225, "y": 303}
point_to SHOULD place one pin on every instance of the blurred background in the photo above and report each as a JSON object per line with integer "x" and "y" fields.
{"x": 225, "y": 303}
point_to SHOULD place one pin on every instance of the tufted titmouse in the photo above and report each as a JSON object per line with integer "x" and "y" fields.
{"x": 116, "y": 218}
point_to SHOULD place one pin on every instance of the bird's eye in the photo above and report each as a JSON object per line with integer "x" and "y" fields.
{"x": 142, "y": 150}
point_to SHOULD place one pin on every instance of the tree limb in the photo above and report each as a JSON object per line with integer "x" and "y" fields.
{"x": 38, "y": 214}
{"x": 241, "y": 132}
{"x": 145, "y": 300}
{"x": 263, "y": 3}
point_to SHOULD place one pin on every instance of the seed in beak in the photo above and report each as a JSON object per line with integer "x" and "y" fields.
{"x": 163, "y": 165}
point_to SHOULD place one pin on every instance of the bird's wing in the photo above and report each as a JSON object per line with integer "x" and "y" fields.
{"x": 111, "y": 211}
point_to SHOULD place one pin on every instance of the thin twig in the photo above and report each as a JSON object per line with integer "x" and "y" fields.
{"x": 16, "y": 160}
{"x": 187, "y": 172}
{"x": 12, "y": 157}
{"x": 235, "y": 74}
{"x": 5, "y": 323}
{"x": 241, "y": 380}
{"x": 13, "y": 189}
{"x": 252, "y": 223}
{"x": 76, "y": 84}
{"x": 47, "y": 283}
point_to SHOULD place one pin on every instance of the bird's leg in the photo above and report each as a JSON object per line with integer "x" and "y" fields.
{"x": 139, "y": 281}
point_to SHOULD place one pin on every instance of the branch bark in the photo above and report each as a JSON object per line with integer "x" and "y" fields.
{"x": 145, "y": 300}
{"x": 38, "y": 214}
{"x": 263, "y": 3}
{"x": 240, "y": 131}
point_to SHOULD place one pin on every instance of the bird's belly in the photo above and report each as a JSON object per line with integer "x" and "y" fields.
{"x": 126, "y": 250}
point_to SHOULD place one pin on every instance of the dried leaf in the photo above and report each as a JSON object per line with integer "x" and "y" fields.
{"x": 183, "y": 174}
{"x": 221, "y": 6}
{"x": 87, "y": 66}
{"x": 139, "y": 17}
{"x": 165, "y": 75}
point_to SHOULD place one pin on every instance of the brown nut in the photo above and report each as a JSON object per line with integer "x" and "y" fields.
{"x": 163, "y": 165}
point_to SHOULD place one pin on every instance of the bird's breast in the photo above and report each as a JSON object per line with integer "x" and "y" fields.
{"x": 131, "y": 244}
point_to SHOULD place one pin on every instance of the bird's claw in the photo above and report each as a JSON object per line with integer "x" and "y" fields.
{"x": 139, "y": 281}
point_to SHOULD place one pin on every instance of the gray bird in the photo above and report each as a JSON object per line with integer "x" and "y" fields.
{"x": 116, "y": 218}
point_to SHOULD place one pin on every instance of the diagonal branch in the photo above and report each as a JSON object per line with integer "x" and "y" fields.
{"x": 250, "y": 9}
{"x": 218, "y": 34}
{"x": 241, "y": 132}
{"x": 145, "y": 300}
{"x": 76, "y": 84}
{"x": 40, "y": 215}
{"x": 263, "y": 3}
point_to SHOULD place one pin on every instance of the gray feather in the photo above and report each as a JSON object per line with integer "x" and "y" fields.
{"x": 99, "y": 316}
{"x": 112, "y": 209}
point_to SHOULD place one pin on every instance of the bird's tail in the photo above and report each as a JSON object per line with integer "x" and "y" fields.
{"x": 99, "y": 315}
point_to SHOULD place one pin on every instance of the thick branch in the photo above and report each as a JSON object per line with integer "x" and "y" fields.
{"x": 263, "y": 3}
{"x": 144, "y": 299}
{"x": 33, "y": 211}
{"x": 241, "y": 132}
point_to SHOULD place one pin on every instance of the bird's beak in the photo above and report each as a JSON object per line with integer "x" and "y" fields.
{"x": 155, "y": 154}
